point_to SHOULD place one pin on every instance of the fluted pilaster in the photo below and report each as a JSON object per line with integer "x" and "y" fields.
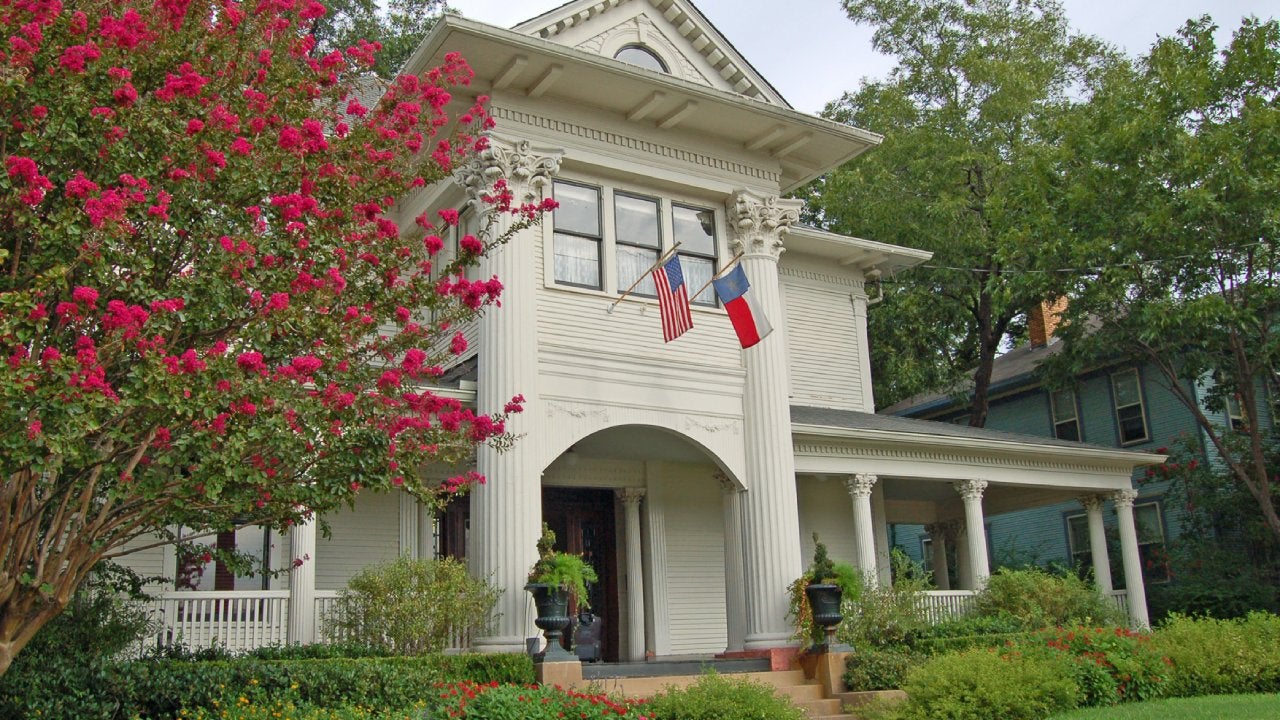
{"x": 860, "y": 488}
{"x": 1097, "y": 542}
{"x": 506, "y": 512}
{"x": 1134, "y": 584}
{"x": 734, "y": 571}
{"x": 975, "y": 530}
{"x": 771, "y": 527}
{"x": 631, "y": 498}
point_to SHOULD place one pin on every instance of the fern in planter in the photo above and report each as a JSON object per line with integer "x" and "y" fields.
{"x": 561, "y": 570}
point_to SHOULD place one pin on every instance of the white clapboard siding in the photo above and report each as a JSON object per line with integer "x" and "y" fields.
{"x": 824, "y": 348}
{"x": 367, "y": 535}
{"x": 149, "y": 562}
{"x": 695, "y": 564}
{"x": 826, "y": 508}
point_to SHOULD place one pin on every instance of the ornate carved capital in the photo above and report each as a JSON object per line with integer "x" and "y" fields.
{"x": 525, "y": 167}
{"x": 860, "y": 485}
{"x": 630, "y": 495}
{"x": 971, "y": 489}
{"x": 1124, "y": 498}
{"x": 1092, "y": 503}
{"x": 759, "y": 223}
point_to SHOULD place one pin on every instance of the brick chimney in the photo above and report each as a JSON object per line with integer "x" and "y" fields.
{"x": 1043, "y": 320}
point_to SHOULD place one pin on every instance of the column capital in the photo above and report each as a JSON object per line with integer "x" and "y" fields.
{"x": 526, "y": 168}
{"x": 630, "y": 495}
{"x": 760, "y": 222}
{"x": 860, "y": 484}
{"x": 1092, "y": 503}
{"x": 1124, "y": 498}
{"x": 971, "y": 489}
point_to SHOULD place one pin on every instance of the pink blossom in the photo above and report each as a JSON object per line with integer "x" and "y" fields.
{"x": 252, "y": 362}
{"x": 85, "y": 296}
{"x": 34, "y": 429}
{"x": 459, "y": 344}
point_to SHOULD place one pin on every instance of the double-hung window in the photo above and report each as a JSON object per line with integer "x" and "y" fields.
{"x": 1151, "y": 549}
{"x": 695, "y": 230}
{"x": 639, "y": 240}
{"x": 1066, "y": 415}
{"x": 577, "y": 235}
{"x": 1131, "y": 417}
{"x": 1235, "y": 413}
{"x": 1078, "y": 543}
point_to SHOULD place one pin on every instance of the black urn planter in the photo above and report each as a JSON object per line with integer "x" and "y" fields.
{"x": 824, "y": 601}
{"x": 553, "y": 617}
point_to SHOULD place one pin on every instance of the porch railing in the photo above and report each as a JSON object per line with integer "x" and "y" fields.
{"x": 939, "y": 605}
{"x": 236, "y": 619}
{"x": 1121, "y": 599}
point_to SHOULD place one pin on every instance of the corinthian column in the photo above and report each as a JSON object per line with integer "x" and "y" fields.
{"x": 506, "y": 513}
{"x": 771, "y": 527}
{"x": 631, "y": 498}
{"x": 860, "y": 487}
{"x": 976, "y": 530}
{"x": 1134, "y": 585}
{"x": 1098, "y": 542}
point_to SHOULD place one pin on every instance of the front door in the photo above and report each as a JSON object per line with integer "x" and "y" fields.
{"x": 583, "y": 522}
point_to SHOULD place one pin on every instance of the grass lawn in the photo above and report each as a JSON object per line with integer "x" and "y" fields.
{"x": 1213, "y": 707}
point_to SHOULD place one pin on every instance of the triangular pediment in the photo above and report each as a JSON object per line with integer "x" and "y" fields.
{"x": 674, "y": 31}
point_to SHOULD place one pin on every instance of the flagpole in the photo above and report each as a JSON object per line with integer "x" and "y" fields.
{"x": 643, "y": 275}
{"x": 728, "y": 266}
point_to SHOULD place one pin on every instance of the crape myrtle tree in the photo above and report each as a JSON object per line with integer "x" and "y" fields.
{"x": 399, "y": 26}
{"x": 969, "y": 118}
{"x": 1170, "y": 199}
{"x": 208, "y": 318}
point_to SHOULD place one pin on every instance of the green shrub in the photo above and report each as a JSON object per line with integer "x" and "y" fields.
{"x": 942, "y": 645}
{"x": 525, "y": 702}
{"x": 888, "y": 616}
{"x": 318, "y": 651}
{"x": 986, "y": 684}
{"x": 1211, "y": 657}
{"x": 1038, "y": 599}
{"x": 245, "y": 708}
{"x": 879, "y": 668}
{"x": 970, "y": 625}
{"x": 65, "y": 671}
{"x": 412, "y": 606}
{"x": 715, "y": 697}
{"x": 1111, "y": 665}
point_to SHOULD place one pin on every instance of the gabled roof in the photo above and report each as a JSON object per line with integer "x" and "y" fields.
{"x": 691, "y": 46}
{"x": 1012, "y": 370}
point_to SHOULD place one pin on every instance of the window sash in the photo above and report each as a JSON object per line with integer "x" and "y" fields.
{"x": 1131, "y": 420}
{"x": 578, "y": 236}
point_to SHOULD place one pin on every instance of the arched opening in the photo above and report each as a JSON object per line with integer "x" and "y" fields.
{"x": 641, "y": 56}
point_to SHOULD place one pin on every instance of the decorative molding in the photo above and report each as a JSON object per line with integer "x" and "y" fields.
{"x": 760, "y": 222}
{"x": 640, "y": 147}
{"x": 641, "y": 28}
{"x": 525, "y": 168}
{"x": 1124, "y": 498}
{"x": 838, "y": 281}
{"x": 1092, "y": 503}
{"x": 694, "y": 423}
{"x": 578, "y": 411}
{"x": 630, "y": 495}
{"x": 727, "y": 485}
{"x": 860, "y": 484}
{"x": 970, "y": 490}
{"x": 897, "y": 453}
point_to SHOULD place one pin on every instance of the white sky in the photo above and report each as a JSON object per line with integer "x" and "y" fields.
{"x": 811, "y": 52}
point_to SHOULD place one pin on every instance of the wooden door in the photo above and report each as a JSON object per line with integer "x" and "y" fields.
{"x": 583, "y": 521}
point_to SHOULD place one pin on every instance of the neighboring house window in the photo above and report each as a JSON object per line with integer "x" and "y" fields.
{"x": 635, "y": 221}
{"x": 1151, "y": 548}
{"x": 1066, "y": 415}
{"x": 641, "y": 56}
{"x": 1235, "y": 413}
{"x": 1078, "y": 543}
{"x": 1131, "y": 418}
{"x": 695, "y": 230}
{"x": 577, "y": 235}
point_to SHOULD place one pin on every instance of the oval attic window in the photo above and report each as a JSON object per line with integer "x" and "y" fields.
{"x": 642, "y": 56}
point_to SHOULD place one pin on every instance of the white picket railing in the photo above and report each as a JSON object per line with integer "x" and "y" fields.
{"x": 939, "y": 605}
{"x": 326, "y": 607}
{"x": 234, "y": 619}
{"x": 1121, "y": 599}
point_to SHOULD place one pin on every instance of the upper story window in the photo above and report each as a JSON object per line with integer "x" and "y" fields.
{"x": 641, "y": 56}
{"x": 606, "y": 239}
{"x": 578, "y": 236}
{"x": 1131, "y": 416}
{"x": 1235, "y": 413}
{"x": 1066, "y": 415}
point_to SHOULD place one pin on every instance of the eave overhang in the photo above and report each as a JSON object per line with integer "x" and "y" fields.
{"x": 867, "y": 256}
{"x": 803, "y": 146}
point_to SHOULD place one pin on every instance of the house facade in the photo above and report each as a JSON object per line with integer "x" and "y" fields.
{"x": 1122, "y": 405}
{"x": 692, "y": 474}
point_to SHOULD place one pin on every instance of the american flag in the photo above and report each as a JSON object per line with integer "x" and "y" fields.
{"x": 673, "y": 299}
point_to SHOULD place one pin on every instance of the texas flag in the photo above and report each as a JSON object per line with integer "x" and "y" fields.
{"x": 745, "y": 314}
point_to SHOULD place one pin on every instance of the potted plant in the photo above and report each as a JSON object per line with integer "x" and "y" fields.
{"x": 554, "y": 580}
{"x": 824, "y": 592}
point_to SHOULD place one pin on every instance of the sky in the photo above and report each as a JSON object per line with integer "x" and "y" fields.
{"x": 813, "y": 53}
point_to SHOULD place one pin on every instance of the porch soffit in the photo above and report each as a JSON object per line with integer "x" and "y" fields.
{"x": 657, "y": 105}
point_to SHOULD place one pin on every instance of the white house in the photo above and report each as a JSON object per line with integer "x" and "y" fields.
{"x": 693, "y": 473}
